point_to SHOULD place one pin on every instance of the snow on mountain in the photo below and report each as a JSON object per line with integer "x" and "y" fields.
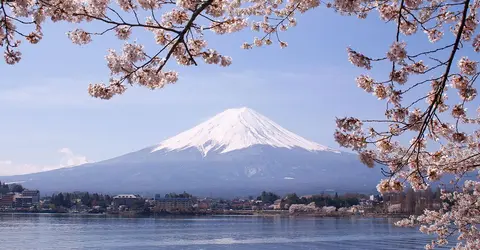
{"x": 236, "y": 129}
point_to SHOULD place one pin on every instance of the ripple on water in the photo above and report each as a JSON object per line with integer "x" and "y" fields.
{"x": 64, "y": 232}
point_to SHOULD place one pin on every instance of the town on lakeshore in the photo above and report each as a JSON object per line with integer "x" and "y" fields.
{"x": 14, "y": 198}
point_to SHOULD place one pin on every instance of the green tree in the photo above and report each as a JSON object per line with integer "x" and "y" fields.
{"x": 16, "y": 188}
{"x": 58, "y": 200}
{"x": 182, "y": 195}
{"x": 4, "y": 188}
{"x": 67, "y": 201}
{"x": 85, "y": 199}
{"x": 292, "y": 199}
{"x": 268, "y": 197}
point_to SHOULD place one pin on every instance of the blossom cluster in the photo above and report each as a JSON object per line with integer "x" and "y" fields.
{"x": 445, "y": 139}
{"x": 178, "y": 26}
{"x": 461, "y": 208}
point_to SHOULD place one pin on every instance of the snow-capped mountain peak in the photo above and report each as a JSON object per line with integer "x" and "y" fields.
{"x": 235, "y": 129}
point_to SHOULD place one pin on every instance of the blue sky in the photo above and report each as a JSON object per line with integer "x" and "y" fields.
{"x": 45, "y": 107}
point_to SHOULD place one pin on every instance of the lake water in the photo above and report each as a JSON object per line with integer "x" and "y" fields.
{"x": 30, "y": 231}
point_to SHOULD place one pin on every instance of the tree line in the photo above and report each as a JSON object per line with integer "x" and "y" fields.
{"x": 182, "y": 195}
{"x": 412, "y": 202}
{"x": 8, "y": 188}
{"x": 80, "y": 198}
{"x": 345, "y": 200}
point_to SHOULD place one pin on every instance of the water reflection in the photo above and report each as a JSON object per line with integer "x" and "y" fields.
{"x": 40, "y": 231}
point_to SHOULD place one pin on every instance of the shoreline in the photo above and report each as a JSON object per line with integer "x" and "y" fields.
{"x": 265, "y": 213}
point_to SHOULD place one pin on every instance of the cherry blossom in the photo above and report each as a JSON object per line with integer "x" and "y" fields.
{"x": 358, "y": 59}
{"x": 467, "y": 66}
{"x": 397, "y": 52}
{"x": 427, "y": 91}
{"x": 434, "y": 35}
{"x": 365, "y": 82}
{"x": 439, "y": 147}
{"x": 79, "y": 36}
{"x": 123, "y": 32}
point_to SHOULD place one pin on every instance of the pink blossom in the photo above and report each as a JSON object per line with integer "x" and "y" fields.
{"x": 347, "y": 6}
{"x": 384, "y": 186}
{"x": 468, "y": 94}
{"x": 459, "y": 82}
{"x": 358, "y": 59}
{"x": 469, "y": 28}
{"x": 365, "y": 82}
{"x": 133, "y": 52}
{"x": 79, "y": 37}
{"x": 292, "y": 22}
{"x": 476, "y": 43}
{"x": 399, "y": 76}
{"x": 408, "y": 27}
{"x": 434, "y": 35}
{"x": 399, "y": 114}
{"x": 33, "y": 37}
{"x": 257, "y": 42}
{"x": 416, "y": 68}
{"x": 148, "y": 4}
{"x": 413, "y": 4}
{"x": 388, "y": 12}
{"x": 256, "y": 26}
{"x": 384, "y": 146}
{"x": 246, "y": 46}
{"x": 458, "y": 111}
{"x": 367, "y": 157}
{"x": 225, "y": 61}
{"x": 467, "y": 66}
{"x": 380, "y": 91}
{"x": 397, "y": 52}
{"x": 123, "y": 32}
{"x": 348, "y": 123}
{"x": 12, "y": 57}
{"x": 175, "y": 16}
{"x": 106, "y": 92}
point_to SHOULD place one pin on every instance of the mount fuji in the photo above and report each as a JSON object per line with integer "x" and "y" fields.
{"x": 237, "y": 152}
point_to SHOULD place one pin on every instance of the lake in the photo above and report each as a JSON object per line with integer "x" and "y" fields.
{"x": 55, "y": 231}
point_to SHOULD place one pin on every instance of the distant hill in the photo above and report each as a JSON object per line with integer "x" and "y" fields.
{"x": 237, "y": 152}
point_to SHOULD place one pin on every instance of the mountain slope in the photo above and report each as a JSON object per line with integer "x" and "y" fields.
{"x": 236, "y": 129}
{"x": 237, "y": 152}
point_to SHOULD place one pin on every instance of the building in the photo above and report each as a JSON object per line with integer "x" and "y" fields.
{"x": 23, "y": 201}
{"x": 125, "y": 200}
{"x": 174, "y": 204}
{"x": 279, "y": 204}
{"x": 35, "y": 194}
{"x": 241, "y": 204}
{"x": 6, "y": 200}
{"x": 203, "y": 205}
{"x": 394, "y": 208}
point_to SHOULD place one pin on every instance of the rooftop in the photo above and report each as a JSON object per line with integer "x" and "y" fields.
{"x": 125, "y": 196}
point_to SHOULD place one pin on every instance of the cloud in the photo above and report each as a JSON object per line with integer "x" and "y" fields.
{"x": 69, "y": 159}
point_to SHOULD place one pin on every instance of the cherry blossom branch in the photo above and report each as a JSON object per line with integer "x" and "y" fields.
{"x": 433, "y": 107}
{"x": 181, "y": 36}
